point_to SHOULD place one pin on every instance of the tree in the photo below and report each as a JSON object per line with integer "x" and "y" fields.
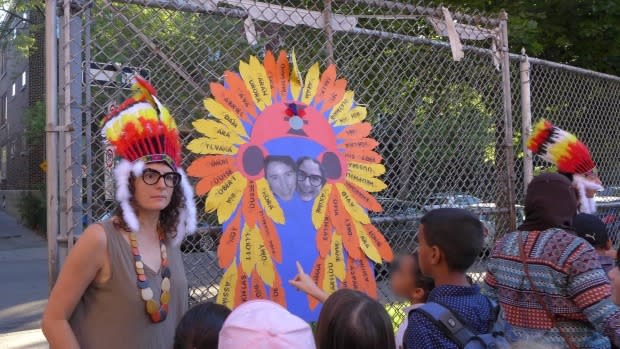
{"x": 584, "y": 33}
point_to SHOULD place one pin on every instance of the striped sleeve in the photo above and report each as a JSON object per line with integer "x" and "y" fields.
{"x": 589, "y": 289}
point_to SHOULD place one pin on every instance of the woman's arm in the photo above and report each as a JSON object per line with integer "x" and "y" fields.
{"x": 82, "y": 266}
{"x": 304, "y": 283}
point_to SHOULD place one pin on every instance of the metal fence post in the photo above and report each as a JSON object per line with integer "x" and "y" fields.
{"x": 508, "y": 148}
{"x": 329, "y": 33}
{"x": 51, "y": 137}
{"x": 526, "y": 118}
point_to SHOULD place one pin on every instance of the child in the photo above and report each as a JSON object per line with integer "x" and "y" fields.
{"x": 262, "y": 324}
{"x": 593, "y": 230}
{"x": 614, "y": 277}
{"x": 352, "y": 320}
{"x": 450, "y": 240}
{"x": 407, "y": 282}
{"x": 200, "y": 327}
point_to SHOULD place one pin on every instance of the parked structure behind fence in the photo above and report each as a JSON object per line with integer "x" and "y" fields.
{"x": 450, "y": 131}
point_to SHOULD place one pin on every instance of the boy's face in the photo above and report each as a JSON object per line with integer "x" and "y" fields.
{"x": 403, "y": 282}
{"x": 614, "y": 276}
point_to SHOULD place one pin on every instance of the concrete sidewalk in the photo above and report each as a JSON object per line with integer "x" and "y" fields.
{"x": 23, "y": 271}
{"x": 32, "y": 339}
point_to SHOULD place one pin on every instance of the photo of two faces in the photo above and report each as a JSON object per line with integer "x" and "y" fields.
{"x": 285, "y": 177}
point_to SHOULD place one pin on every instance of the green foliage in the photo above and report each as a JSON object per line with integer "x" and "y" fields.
{"x": 32, "y": 210}
{"x": 584, "y": 33}
{"x": 18, "y": 27}
{"x": 34, "y": 121}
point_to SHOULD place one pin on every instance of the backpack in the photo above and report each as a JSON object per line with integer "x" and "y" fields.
{"x": 461, "y": 334}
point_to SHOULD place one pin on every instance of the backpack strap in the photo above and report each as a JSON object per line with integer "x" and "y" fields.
{"x": 445, "y": 320}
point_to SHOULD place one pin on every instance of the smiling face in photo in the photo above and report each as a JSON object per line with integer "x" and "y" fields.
{"x": 280, "y": 174}
{"x": 310, "y": 179}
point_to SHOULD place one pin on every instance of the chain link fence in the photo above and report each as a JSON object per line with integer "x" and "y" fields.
{"x": 587, "y": 104}
{"x": 445, "y": 127}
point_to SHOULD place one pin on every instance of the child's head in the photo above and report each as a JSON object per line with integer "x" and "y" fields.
{"x": 614, "y": 277}
{"x": 200, "y": 327}
{"x": 262, "y": 324}
{"x": 450, "y": 239}
{"x": 351, "y": 319}
{"x": 593, "y": 230}
{"x": 408, "y": 280}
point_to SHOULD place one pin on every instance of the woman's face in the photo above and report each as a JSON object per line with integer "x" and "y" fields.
{"x": 156, "y": 196}
{"x": 309, "y": 172}
{"x": 614, "y": 276}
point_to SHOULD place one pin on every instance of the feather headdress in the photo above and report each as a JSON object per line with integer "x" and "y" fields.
{"x": 569, "y": 155}
{"x": 143, "y": 131}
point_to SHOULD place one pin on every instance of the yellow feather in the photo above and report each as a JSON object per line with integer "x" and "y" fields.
{"x": 264, "y": 86}
{"x": 296, "y": 80}
{"x": 311, "y": 84}
{"x": 251, "y": 83}
{"x": 225, "y": 116}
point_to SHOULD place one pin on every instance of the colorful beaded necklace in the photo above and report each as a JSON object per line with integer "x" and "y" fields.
{"x": 156, "y": 312}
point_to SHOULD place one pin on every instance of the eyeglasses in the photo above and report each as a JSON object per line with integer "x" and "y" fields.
{"x": 315, "y": 180}
{"x": 151, "y": 177}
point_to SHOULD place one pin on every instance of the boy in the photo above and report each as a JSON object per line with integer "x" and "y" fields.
{"x": 593, "y": 230}
{"x": 450, "y": 240}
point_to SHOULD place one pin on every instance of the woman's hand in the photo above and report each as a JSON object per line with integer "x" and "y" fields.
{"x": 304, "y": 283}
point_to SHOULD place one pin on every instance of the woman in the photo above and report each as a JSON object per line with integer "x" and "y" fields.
{"x": 549, "y": 281}
{"x": 123, "y": 284}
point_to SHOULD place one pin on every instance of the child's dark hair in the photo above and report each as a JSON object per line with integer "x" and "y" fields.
{"x": 457, "y": 233}
{"x": 200, "y": 327}
{"x": 422, "y": 281}
{"x": 350, "y": 319}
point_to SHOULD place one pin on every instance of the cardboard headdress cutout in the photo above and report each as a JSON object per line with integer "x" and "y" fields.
{"x": 288, "y": 167}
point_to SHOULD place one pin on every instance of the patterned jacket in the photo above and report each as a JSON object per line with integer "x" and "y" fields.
{"x": 566, "y": 271}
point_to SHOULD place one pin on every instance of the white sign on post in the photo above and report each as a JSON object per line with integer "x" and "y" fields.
{"x": 108, "y": 166}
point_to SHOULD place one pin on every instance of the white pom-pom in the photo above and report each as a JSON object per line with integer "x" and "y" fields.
{"x": 586, "y": 205}
{"x": 138, "y": 168}
{"x": 187, "y": 215}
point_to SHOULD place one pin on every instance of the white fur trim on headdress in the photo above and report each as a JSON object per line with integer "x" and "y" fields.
{"x": 586, "y": 205}
{"x": 187, "y": 215}
{"x": 137, "y": 168}
{"x": 122, "y": 172}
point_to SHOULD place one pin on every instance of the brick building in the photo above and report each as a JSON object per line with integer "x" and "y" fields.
{"x": 22, "y": 86}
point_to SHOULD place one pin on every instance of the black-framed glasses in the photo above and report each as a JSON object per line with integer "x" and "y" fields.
{"x": 315, "y": 180}
{"x": 151, "y": 176}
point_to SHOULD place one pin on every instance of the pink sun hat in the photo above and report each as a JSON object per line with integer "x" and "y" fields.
{"x": 262, "y": 324}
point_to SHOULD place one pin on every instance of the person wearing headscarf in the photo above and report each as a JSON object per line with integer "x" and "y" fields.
{"x": 548, "y": 280}
{"x": 572, "y": 159}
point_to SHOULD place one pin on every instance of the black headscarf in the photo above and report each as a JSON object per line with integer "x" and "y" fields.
{"x": 550, "y": 202}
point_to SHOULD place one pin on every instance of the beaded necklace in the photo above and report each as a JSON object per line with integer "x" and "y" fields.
{"x": 156, "y": 312}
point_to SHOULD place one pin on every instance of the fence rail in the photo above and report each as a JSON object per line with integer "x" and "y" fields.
{"x": 444, "y": 97}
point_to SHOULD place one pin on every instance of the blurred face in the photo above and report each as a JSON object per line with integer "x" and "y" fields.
{"x": 403, "y": 281}
{"x": 309, "y": 180}
{"x": 281, "y": 179}
{"x": 154, "y": 188}
{"x": 593, "y": 177}
{"x": 614, "y": 276}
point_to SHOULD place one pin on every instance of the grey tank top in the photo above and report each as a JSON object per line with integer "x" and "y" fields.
{"x": 113, "y": 315}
